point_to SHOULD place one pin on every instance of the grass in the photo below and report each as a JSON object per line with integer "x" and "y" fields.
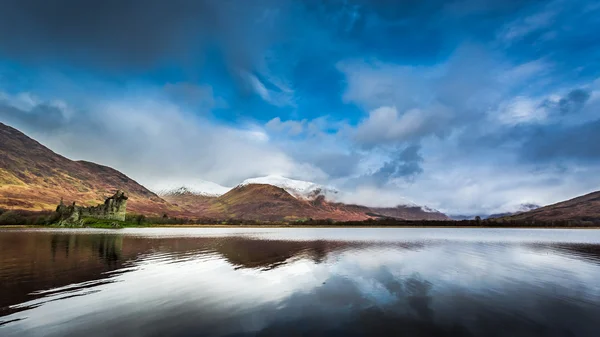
{"x": 101, "y": 223}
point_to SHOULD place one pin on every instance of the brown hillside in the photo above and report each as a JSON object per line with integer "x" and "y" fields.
{"x": 584, "y": 208}
{"x": 33, "y": 177}
{"x": 195, "y": 205}
{"x": 271, "y": 203}
{"x": 261, "y": 202}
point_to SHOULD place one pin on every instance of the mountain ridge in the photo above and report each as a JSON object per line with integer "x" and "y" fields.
{"x": 582, "y": 208}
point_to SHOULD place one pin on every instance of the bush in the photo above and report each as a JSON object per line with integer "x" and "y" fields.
{"x": 11, "y": 218}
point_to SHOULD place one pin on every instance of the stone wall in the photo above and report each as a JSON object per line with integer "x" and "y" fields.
{"x": 114, "y": 208}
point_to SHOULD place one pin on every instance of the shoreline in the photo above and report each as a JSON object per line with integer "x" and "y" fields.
{"x": 299, "y": 226}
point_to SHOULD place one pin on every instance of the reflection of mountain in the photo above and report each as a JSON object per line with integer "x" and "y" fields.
{"x": 33, "y": 262}
{"x": 46, "y": 260}
{"x": 40, "y": 261}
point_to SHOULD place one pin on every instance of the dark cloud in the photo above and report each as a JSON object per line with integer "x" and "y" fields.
{"x": 107, "y": 33}
{"x": 405, "y": 164}
{"x": 553, "y": 143}
{"x": 132, "y": 34}
{"x": 141, "y": 34}
{"x": 574, "y": 101}
{"x": 42, "y": 118}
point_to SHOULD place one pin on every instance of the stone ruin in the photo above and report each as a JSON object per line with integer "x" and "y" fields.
{"x": 114, "y": 208}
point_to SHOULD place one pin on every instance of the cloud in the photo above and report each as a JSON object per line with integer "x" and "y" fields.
{"x": 574, "y": 101}
{"x": 156, "y": 140}
{"x": 522, "y": 27}
{"x": 385, "y": 126}
{"x": 200, "y": 96}
{"x": 521, "y": 110}
{"x": 555, "y": 142}
{"x": 404, "y": 164}
{"x": 291, "y": 127}
{"x": 375, "y": 84}
{"x": 132, "y": 33}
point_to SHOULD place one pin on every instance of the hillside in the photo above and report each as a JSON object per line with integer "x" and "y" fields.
{"x": 192, "y": 204}
{"x": 252, "y": 201}
{"x": 32, "y": 177}
{"x": 583, "y": 208}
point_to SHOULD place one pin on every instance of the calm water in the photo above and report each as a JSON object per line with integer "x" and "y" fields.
{"x": 300, "y": 282}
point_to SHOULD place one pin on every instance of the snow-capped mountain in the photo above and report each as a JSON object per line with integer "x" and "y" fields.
{"x": 199, "y": 187}
{"x": 298, "y": 188}
{"x": 325, "y": 201}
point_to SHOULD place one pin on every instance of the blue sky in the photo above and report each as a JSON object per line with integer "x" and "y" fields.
{"x": 466, "y": 106}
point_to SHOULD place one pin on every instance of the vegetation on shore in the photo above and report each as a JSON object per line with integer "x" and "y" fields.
{"x": 52, "y": 219}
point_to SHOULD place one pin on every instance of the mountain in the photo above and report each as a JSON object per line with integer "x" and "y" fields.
{"x": 298, "y": 188}
{"x": 522, "y": 208}
{"x": 276, "y": 198}
{"x": 192, "y": 203}
{"x": 200, "y": 187}
{"x": 261, "y": 202}
{"x": 583, "y": 208}
{"x": 32, "y": 177}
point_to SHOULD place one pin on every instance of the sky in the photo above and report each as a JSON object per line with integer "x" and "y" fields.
{"x": 466, "y": 106}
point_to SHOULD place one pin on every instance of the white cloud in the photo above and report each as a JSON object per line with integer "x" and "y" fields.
{"x": 291, "y": 127}
{"x": 281, "y": 96}
{"x": 521, "y": 110}
{"x": 154, "y": 141}
{"x": 525, "y": 71}
{"x": 527, "y": 25}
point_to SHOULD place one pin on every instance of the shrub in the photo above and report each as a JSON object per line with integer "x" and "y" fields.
{"x": 11, "y": 218}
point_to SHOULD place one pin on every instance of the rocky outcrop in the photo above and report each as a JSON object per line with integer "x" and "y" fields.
{"x": 114, "y": 208}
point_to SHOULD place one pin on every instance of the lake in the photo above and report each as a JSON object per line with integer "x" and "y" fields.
{"x": 300, "y": 282}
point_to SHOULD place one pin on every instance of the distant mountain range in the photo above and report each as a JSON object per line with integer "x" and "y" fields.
{"x": 276, "y": 197}
{"x": 32, "y": 177}
{"x": 522, "y": 208}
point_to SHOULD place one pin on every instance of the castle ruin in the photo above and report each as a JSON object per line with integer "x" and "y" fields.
{"x": 114, "y": 208}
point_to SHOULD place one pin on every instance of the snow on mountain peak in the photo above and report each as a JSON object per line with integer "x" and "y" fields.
{"x": 297, "y": 188}
{"x": 199, "y": 187}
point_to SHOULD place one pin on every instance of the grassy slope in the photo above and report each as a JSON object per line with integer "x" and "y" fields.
{"x": 32, "y": 177}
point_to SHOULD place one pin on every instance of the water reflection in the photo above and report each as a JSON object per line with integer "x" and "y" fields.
{"x": 112, "y": 283}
